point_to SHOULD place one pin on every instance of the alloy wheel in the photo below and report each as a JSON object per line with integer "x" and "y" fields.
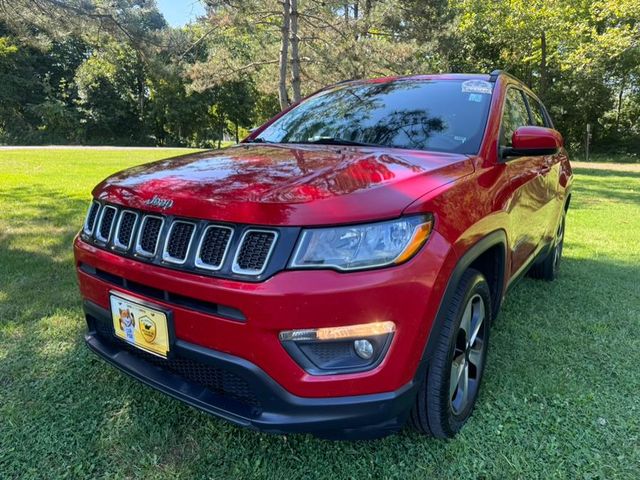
{"x": 557, "y": 251}
{"x": 468, "y": 355}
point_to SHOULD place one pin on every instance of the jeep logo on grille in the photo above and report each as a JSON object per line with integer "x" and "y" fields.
{"x": 162, "y": 203}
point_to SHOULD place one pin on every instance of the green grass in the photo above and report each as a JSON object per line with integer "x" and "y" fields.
{"x": 560, "y": 397}
{"x": 608, "y": 158}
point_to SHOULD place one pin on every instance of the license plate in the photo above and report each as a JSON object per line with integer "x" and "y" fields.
{"x": 135, "y": 322}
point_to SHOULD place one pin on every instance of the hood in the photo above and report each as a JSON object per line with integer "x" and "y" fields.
{"x": 285, "y": 184}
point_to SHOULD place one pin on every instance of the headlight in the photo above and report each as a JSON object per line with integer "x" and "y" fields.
{"x": 356, "y": 247}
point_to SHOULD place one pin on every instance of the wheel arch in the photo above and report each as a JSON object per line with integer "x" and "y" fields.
{"x": 489, "y": 254}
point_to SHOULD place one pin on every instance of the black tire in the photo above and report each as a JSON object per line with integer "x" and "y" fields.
{"x": 548, "y": 268}
{"x": 435, "y": 411}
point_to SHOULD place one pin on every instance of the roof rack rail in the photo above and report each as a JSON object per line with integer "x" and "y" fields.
{"x": 493, "y": 76}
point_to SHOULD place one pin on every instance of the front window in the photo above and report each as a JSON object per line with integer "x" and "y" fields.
{"x": 515, "y": 115}
{"x": 440, "y": 115}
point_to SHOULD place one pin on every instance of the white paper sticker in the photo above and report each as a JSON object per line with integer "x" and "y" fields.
{"x": 477, "y": 86}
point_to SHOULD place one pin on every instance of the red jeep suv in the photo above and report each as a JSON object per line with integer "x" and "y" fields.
{"x": 339, "y": 270}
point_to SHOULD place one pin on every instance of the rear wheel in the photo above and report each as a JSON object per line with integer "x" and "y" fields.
{"x": 448, "y": 395}
{"x": 548, "y": 268}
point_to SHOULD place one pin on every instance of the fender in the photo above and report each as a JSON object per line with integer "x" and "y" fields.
{"x": 497, "y": 237}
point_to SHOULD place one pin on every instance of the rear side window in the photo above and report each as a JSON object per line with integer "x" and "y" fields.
{"x": 537, "y": 115}
{"x": 515, "y": 115}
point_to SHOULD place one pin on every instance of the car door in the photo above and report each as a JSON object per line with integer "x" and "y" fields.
{"x": 528, "y": 185}
{"x": 550, "y": 172}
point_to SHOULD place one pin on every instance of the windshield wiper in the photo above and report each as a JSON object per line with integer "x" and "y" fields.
{"x": 338, "y": 141}
{"x": 257, "y": 140}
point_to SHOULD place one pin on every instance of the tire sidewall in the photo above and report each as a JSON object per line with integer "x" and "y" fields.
{"x": 472, "y": 284}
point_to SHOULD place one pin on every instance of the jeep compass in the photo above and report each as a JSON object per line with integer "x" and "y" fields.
{"x": 338, "y": 271}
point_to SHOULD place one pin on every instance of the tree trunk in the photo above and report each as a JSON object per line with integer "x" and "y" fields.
{"x": 295, "y": 54}
{"x": 543, "y": 64}
{"x": 284, "y": 54}
{"x": 140, "y": 85}
{"x": 619, "y": 108}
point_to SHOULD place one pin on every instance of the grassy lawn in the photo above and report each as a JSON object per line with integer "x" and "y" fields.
{"x": 560, "y": 397}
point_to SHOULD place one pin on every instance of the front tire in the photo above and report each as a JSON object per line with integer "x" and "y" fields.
{"x": 448, "y": 394}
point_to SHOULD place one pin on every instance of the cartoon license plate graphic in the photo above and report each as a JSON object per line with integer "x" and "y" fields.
{"x": 140, "y": 325}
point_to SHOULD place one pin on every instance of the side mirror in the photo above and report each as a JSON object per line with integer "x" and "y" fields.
{"x": 529, "y": 141}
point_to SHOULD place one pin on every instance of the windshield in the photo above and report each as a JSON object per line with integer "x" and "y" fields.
{"x": 441, "y": 115}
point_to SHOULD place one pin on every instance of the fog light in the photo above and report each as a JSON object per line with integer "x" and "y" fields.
{"x": 363, "y": 348}
{"x": 337, "y": 350}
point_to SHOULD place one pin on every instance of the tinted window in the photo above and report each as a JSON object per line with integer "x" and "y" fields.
{"x": 536, "y": 111}
{"x": 443, "y": 115}
{"x": 515, "y": 115}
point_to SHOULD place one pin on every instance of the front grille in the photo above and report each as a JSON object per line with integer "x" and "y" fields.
{"x": 255, "y": 249}
{"x": 178, "y": 241}
{"x": 214, "y": 246}
{"x": 218, "y": 380}
{"x": 125, "y": 229}
{"x": 106, "y": 222}
{"x": 229, "y": 250}
{"x": 91, "y": 217}
{"x": 149, "y": 235}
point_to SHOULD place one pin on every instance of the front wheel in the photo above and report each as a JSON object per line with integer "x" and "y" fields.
{"x": 448, "y": 395}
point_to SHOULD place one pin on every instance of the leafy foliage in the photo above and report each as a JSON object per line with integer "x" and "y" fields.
{"x": 113, "y": 72}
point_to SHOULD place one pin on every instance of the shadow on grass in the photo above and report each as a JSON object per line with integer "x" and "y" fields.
{"x": 86, "y": 402}
{"x": 72, "y": 412}
{"x": 590, "y": 187}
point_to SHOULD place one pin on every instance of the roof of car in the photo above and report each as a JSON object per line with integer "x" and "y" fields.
{"x": 434, "y": 76}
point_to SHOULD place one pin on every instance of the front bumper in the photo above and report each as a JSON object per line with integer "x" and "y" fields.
{"x": 408, "y": 295}
{"x": 241, "y": 392}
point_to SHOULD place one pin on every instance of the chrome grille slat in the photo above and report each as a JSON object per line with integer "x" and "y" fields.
{"x": 124, "y": 229}
{"x": 105, "y": 226}
{"x": 188, "y": 244}
{"x": 213, "y": 247}
{"x": 254, "y": 251}
{"x": 92, "y": 216}
{"x": 149, "y": 235}
{"x": 178, "y": 242}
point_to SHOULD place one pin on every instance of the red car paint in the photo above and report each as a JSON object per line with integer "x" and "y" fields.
{"x": 310, "y": 185}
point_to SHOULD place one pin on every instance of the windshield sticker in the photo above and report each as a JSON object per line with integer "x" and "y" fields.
{"x": 475, "y": 97}
{"x": 477, "y": 86}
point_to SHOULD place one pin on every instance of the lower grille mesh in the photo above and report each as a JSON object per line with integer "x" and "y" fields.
{"x": 218, "y": 380}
